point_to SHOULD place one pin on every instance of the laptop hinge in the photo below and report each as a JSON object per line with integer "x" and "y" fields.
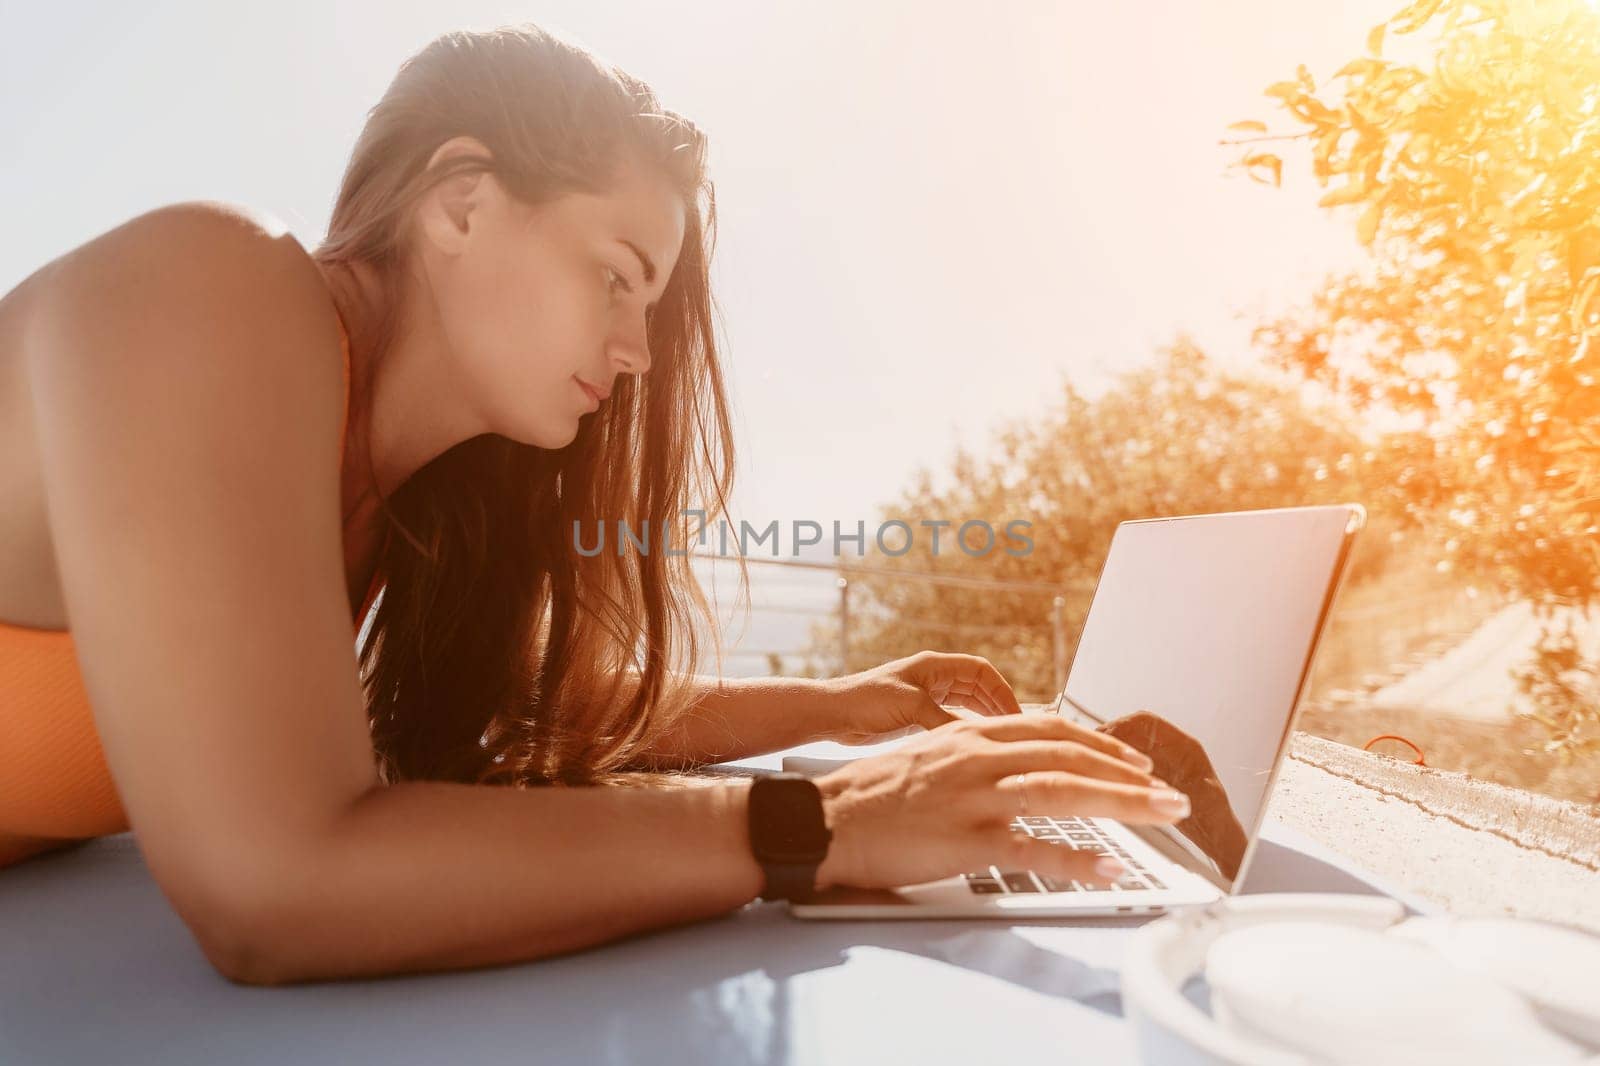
{"x": 1163, "y": 840}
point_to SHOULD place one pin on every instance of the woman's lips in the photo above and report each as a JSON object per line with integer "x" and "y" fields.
{"x": 588, "y": 390}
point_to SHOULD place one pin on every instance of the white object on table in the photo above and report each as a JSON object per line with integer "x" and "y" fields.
{"x": 1556, "y": 968}
{"x": 1296, "y": 979}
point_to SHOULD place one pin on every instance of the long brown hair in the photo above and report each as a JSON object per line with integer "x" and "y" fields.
{"x": 497, "y": 651}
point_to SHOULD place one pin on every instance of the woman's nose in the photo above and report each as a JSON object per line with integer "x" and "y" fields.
{"x": 631, "y": 353}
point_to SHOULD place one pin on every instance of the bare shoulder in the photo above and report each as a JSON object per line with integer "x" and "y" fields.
{"x": 197, "y": 297}
{"x": 201, "y": 240}
{"x": 201, "y": 227}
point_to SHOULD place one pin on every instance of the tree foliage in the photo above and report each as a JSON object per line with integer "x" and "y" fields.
{"x": 1181, "y": 436}
{"x": 1475, "y": 183}
{"x": 1562, "y": 685}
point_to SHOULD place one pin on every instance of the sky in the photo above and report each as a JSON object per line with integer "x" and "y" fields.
{"x": 931, "y": 215}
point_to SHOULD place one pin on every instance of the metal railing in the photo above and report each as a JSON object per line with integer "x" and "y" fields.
{"x": 840, "y": 607}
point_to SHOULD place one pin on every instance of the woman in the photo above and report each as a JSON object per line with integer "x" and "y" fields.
{"x": 507, "y": 330}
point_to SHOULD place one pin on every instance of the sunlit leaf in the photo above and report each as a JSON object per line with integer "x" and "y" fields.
{"x": 1348, "y": 193}
{"x": 1249, "y": 125}
{"x": 1367, "y": 224}
{"x": 1265, "y": 168}
{"x": 1321, "y": 153}
{"x": 1315, "y": 111}
{"x": 1362, "y": 66}
{"x": 1375, "y": 38}
{"x": 1413, "y": 16}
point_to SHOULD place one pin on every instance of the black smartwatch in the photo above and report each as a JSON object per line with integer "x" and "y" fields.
{"x": 788, "y": 833}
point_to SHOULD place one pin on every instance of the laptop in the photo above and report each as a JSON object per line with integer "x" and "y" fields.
{"x": 1210, "y": 622}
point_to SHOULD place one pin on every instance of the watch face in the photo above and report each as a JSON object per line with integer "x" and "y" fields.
{"x": 786, "y": 815}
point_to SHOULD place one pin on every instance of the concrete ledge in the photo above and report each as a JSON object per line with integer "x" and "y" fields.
{"x": 1559, "y": 828}
{"x": 1468, "y": 845}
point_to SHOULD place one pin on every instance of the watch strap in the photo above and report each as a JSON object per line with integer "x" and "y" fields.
{"x": 787, "y": 880}
{"x": 789, "y": 836}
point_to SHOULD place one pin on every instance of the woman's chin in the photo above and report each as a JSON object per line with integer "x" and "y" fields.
{"x": 550, "y": 430}
{"x": 553, "y": 437}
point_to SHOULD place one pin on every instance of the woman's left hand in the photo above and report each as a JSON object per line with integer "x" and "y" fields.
{"x": 898, "y": 697}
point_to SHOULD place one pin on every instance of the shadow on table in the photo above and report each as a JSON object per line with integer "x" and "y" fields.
{"x": 97, "y": 967}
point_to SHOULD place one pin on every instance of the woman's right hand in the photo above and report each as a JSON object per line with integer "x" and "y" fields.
{"x": 943, "y": 804}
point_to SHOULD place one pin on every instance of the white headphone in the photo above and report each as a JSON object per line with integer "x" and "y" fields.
{"x": 1300, "y": 979}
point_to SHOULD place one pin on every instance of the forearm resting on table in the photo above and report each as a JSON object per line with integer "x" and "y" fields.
{"x": 426, "y": 875}
{"x": 742, "y": 717}
{"x": 429, "y": 875}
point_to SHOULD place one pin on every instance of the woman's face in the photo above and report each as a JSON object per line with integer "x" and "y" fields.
{"x": 533, "y": 300}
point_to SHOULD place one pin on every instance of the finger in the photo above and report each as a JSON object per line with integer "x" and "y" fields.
{"x": 972, "y": 701}
{"x": 1059, "y": 862}
{"x": 1055, "y": 727}
{"x": 1064, "y": 795}
{"x": 1031, "y": 756}
{"x": 984, "y": 701}
{"x": 971, "y": 676}
{"x": 993, "y": 686}
{"x": 973, "y": 695}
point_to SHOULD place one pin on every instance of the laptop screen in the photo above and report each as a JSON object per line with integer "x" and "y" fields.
{"x": 1207, "y": 625}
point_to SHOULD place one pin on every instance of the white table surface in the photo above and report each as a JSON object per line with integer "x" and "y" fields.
{"x": 95, "y": 967}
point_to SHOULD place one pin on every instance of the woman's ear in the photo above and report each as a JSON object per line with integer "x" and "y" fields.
{"x": 445, "y": 214}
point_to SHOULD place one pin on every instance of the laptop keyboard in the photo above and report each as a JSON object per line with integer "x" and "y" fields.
{"x": 1074, "y": 833}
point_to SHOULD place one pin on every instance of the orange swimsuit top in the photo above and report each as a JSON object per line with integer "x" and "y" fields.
{"x": 54, "y": 781}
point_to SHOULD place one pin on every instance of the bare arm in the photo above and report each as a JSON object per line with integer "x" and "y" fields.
{"x": 547, "y": 870}
{"x": 429, "y": 875}
{"x": 735, "y": 718}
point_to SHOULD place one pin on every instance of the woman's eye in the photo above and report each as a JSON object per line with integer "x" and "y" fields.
{"x": 615, "y": 281}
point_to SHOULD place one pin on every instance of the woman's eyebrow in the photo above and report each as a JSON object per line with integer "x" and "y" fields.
{"x": 644, "y": 261}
